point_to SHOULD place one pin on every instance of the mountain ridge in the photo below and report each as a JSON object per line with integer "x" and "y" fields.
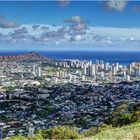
{"x": 21, "y": 57}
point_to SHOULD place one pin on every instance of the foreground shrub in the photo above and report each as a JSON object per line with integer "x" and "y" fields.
{"x": 94, "y": 130}
{"x": 124, "y": 120}
{"x": 104, "y": 127}
{"x": 90, "y": 132}
{"x": 135, "y": 116}
{"x": 61, "y": 132}
{"x": 18, "y": 137}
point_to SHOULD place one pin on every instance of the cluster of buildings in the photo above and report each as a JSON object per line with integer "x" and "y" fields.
{"x": 19, "y": 74}
{"x": 101, "y": 71}
{"x": 134, "y": 69}
{"x": 82, "y": 106}
{"x": 36, "y": 71}
{"x": 67, "y": 71}
{"x": 69, "y": 92}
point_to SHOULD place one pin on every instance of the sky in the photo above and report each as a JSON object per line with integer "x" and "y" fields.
{"x": 70, "y": 25}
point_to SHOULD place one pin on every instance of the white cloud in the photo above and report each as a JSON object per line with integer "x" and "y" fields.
{"x": 74, "y": 19}
{"x": 118, "y": 5}
{"x": 60, "y": 35}
{"x": 116, "y": 33}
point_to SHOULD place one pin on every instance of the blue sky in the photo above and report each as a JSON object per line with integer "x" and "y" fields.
{"x": 70, "y": 25}
{"x": 48, "y": 12}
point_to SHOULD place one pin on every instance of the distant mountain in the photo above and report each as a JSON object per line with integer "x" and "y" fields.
{"x": 21, "y": 57}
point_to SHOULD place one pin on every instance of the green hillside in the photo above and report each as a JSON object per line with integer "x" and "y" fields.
{"x": 130, "y": 132}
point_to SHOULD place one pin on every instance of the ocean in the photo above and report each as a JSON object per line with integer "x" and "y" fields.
{"x": 107, "y": 56}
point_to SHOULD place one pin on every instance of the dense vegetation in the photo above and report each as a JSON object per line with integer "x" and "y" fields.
{"x": 124, "y": 123}
{"x": 105, "y": 132}
{"x": 125, "y": 113}
{"x": 60, "y": 132}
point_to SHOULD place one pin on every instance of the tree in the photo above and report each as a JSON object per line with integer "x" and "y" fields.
{"x": 124, "y": 119}
{"x": 135, "y": 116}
{"x": 122, "y": 108}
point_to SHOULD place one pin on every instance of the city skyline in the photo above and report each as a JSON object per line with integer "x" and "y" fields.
{"x": 70, "y": 25}
{"x": 69, "y": 69}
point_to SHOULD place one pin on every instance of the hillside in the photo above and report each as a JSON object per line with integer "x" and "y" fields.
{"x": 129, "y": 132}
{"x": 21, "y": 57}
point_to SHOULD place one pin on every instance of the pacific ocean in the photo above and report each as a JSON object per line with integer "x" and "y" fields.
{"x": 107, "y": 56}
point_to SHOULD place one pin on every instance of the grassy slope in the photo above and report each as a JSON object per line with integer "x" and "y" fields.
{"x": 130, "y": 132}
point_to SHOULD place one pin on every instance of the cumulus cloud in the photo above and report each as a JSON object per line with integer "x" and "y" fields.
{"x": 19, "y": 35}
{"x": 35, "y": 27}
{"x": 76, "y": 28}
{"x": 98, "y": 37}
{"x": 102, "y": 39}
{"x": 118, "y": 5}
{"x": 45, "y": 28}
{"x": 76, "y": 23}
{"x": 74, "y": 19}
{"x": 71, "y": 34}
{"x": 76, "y": 38}
{"x": 52, "y": 34}
{"x": 22, "y": 30}
{"x": 63, "y": 3}
{"x": 4, "y": 23}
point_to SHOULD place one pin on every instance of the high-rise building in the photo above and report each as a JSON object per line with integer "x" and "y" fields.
{"x": 124, "y": 73}
{"x": 39, "y": 74}
{"x": 128, "y": 77}
{"x": 62, "y": 74}
{"x": 117, "y": 66}
{"x": 102, "y": 74}
{"x": 101, "y": 64}
{"x": 106, "y": 66}
{"x": 92, "y": 70}
{"x": 114, "y": 70}
{"x": 137, "y": 71}
{"x": 85, "y": 70}
{"x": 33, "y": 70}
{"x": 129, "y": 69}
{"x": 97, "y": 64}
